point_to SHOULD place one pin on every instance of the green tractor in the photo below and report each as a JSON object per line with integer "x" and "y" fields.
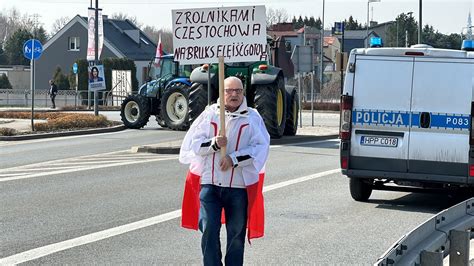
{"x": 264, "y": 88}
{"x": 165, "y": 95}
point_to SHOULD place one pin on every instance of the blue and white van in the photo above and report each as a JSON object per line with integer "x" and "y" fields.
{"x": 406, "y": 119}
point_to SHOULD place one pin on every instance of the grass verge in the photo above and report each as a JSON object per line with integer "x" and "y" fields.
{"x": 57, "y": 121}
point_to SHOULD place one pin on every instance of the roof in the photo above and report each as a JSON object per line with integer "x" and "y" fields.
{"x": 329, "y": 40}
{"x": 283, "y": 33}
{"x": 356, "y": 34}
{"x": 128, "y": 39}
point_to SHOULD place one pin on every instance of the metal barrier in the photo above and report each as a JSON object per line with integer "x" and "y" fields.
{"x": 22, "y": 98}
{"x": 447, "y": 233}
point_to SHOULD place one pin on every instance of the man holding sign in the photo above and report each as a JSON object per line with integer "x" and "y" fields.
{"x": 227, "y": 186}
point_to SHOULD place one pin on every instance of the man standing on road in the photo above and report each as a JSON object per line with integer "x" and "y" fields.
{"x": 53, "y": 90}
{"x": 232, "y": 183}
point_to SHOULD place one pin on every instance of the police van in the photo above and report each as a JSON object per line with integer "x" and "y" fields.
{"x": 406, "y": 119}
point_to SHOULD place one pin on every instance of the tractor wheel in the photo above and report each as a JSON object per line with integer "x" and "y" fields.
{"x": 135, "y": 111}
{"x": 174, "y": 107}
{"x": 292, "y": 113}
{"x": 360, "y": 189}
{"x": 160, "y": 121}
{"x": 270, "y": 103}
{"x": 197, "y": 100}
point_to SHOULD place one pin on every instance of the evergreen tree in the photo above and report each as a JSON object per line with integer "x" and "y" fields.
{"x": 312, "y": 22}
{"x": 352, "y": 24}
{"x": 306, "y": 21}
{"x": 299, "y": 23}
{"x": 14, "y": 47}
{"x": 293, "y": 21}
{"x": 404, "y": 26}
{"x": 40, "y": 34}
{"x": 60, "y": 79}
{"x": 3, "y": 58}
{"x": 4, "y": 82}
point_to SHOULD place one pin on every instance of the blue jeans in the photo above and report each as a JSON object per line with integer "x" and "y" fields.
{"x": 234, "y": 201}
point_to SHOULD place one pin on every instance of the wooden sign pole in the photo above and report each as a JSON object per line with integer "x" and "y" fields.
{"x": 222, "y": 102}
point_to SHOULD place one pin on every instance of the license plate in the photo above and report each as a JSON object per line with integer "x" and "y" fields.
{"x": 379, "y": 141}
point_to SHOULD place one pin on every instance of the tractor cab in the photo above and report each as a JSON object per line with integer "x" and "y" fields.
{"x": 168, "y": 68}
{"x": 160, "y": 74}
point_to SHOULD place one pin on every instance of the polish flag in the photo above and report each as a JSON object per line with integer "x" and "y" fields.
{"x": 159, "y": 52}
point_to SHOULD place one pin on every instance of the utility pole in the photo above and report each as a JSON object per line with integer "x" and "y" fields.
{"x": 321, "y": 70}
{"x": 420, "y": 24}
{"x": 96, "y": 53}
{"x": 342, "y": 57}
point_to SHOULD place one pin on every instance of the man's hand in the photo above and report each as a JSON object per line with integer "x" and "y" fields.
{"x": 221, "y": 141}
{"x": 226, "y": 163}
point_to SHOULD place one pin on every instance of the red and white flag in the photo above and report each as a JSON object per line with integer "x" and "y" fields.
{"x": 159, "y": 51}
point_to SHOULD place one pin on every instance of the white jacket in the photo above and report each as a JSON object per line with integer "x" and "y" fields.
{"x": 247, "y": 144}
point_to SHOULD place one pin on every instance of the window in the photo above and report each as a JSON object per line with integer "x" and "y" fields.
{"x": 74, "y": 44}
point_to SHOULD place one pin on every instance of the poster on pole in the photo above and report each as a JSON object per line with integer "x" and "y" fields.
{"x": 91, "y": 34}
{"x": 96, "y": 78}
{"x": 236, "y": 33}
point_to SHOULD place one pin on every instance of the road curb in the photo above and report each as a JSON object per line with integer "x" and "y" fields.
{"x": 174, "y": 146}
{"x": 63, "y": 134}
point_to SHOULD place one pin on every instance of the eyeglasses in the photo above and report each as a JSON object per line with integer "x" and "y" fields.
{"x": 230, "y": 91}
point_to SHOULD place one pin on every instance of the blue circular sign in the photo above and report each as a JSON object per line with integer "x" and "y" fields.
{"x": 32, "y": 49}
{"x": 74, "y": 68}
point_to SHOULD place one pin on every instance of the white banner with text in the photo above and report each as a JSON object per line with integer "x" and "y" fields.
{"x": 202, "y": 35}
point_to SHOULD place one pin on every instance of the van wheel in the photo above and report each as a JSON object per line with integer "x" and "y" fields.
{"x": 360, "y": 189}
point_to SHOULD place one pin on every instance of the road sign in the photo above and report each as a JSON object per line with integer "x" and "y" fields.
{"x": 32, "y": 49}
{"x": 302, "y": 58}
{"x": 74, "y": 68}
{"x": 338, "y": 28}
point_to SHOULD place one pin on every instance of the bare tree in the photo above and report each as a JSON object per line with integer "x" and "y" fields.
{"x": 11, "y": 20}
{"x": 275, "y": 16}
{"x": 123, "y": 16}
{"x": 166, "y": 37}
{"x": 59, "y": 24}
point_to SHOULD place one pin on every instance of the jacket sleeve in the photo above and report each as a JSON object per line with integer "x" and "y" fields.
{"x": 198, "y": 140}
{"x": 256, "y": 153}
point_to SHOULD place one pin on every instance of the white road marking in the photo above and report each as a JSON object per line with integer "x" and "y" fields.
{"x": 97, "y": 236}
{"x": 77, "y": 169}
{"x": 13, "y": 142}
{"x": 81, "y": 163}
{"x": 304, "y": 143}
{"x": 299, "y": 180}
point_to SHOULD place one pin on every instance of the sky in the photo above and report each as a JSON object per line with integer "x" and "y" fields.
{"x": 446, "y": 16}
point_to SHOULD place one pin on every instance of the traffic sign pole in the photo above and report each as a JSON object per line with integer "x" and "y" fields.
{"x": 32, "y": 50}
{"x": 32, "y": 87}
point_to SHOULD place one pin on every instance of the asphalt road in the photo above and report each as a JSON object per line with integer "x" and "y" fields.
{"x": 88, "y": 200}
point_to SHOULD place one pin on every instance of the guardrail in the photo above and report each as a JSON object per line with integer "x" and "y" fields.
{"x": 447, "y": 233}
{"x": 22, "y": 98}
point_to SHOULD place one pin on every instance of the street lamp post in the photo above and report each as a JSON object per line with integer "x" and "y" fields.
{"x": 368, "y": 22}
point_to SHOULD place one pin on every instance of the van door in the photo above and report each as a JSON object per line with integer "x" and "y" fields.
{"x": 441, "y": 108}
{"x": 381, "y": 113}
